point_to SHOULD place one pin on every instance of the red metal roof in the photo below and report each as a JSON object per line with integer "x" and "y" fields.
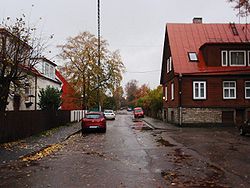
{"x": 184, "y": 38}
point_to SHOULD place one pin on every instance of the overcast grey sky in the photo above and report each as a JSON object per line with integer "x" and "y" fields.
{"x": 135, "y": 27}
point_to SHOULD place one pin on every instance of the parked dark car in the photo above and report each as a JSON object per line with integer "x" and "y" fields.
{"x": 138, "y": 112}
{"x": 245, "y": 128}
{"x": 94, "y": 121}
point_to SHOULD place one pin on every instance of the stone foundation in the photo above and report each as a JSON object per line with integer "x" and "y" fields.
{"x": 201, "y": 115}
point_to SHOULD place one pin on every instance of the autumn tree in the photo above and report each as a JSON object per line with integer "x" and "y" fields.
{"x": 152, "y": 102}
{"x": 131, "y": 88}
{"x": 19, "y": 49}
{"x": 80, "y": 54}
{"x": 118, "y": 97}
{"x": 142, "y": 91}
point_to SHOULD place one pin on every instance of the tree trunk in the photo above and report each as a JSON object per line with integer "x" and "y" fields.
{"x": 4, "y": 93}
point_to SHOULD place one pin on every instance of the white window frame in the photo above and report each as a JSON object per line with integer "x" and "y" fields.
{"x": 27, "y": 91}
{"x": 170, "y": 63}
{"x": 229, "y": 88}
{"x": 172, "y": 91}
{"x": 199, "y": 90}
{"x": 247, "y": 88}
{"x": 192, "y": 56}
{"x": 47, "y": 70}
{"x": 167, "y": 65}
{"x": 222, "y": 58}
{"x": 248, "y": 58}
{"x": 166, "y": 93}
{"x": 235, "y": 51}
{"x": 43, "y": 68}
{"x": 52, "y": 72}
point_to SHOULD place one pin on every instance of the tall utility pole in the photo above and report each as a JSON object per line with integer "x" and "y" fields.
{"x": 99, "y": 51}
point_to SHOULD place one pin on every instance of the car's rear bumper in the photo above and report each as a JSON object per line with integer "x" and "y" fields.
{"x": 109, "y": 117}
{"x": 93, "y": 128}
{"x": 138, "y": 115}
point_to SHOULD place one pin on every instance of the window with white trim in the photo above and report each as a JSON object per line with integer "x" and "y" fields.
{"x": 27, "y": 91}
{"x": 166, "y": 93}
{"x": 199, "y": 90}
{"x": 46, "y": 69}
{"x": 248, "y": 58}
{"x": 172, "y": 91}
{"x": 229, "y": 89}
{"x": 52, "y": 72}
{"x": 237, "y": 58}
{"x": 224, "y": 58}
{"x": 169, "y": 64}
{"x": 247, "y": 89}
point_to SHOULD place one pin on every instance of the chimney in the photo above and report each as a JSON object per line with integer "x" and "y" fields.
{"x": 197, "y": 20}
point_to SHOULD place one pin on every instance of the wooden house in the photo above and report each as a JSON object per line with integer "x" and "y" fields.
{"x": 206, "y": 73}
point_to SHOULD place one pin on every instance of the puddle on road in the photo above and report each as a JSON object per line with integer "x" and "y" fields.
{"x": 140, "y": 125}
{"x": 165, "y": 142}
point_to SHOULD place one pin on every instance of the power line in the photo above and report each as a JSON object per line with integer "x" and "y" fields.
{"x": 141, "y": 72}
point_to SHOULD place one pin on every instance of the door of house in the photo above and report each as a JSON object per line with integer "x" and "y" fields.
{"x": 172, "y": 116}
{"x": 165, "y": 114}
{"x": 228, "y": 117}
{"x": 240, "y": 116}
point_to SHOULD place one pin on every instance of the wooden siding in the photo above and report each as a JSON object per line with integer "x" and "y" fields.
{"x": 172, "y": 103}
{"x": 212, "y": 53}
{"x": 214, "y": 92}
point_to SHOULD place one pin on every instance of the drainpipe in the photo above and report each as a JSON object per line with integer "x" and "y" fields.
{"x": 35, "y": 92}
{"x": 180, "y": 101}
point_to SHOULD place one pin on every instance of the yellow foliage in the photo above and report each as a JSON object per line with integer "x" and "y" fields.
{"x": 42, "y": 153}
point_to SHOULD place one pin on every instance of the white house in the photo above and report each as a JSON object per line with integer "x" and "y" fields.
{"x": 41, "y": 76}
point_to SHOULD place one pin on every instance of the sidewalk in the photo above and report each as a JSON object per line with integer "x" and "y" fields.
{"x": 14, "y": 150}
{"x": 158, "y": 124}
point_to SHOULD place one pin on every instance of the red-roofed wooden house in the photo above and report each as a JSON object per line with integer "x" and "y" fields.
{"x": 206, "y": 73}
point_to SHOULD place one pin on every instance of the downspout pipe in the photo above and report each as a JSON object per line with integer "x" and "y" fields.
{"x": 35, "y": 91}
{"x": 180, "y": 99}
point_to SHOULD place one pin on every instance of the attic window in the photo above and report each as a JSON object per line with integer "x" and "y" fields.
{"x": 192, "y": 56}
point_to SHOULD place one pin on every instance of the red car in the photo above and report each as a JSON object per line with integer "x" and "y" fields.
{"x": 94, "y": 121}
{"x": 138, "y": 112}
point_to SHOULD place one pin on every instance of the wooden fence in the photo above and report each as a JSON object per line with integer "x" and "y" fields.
{"x": 21, "y": 124}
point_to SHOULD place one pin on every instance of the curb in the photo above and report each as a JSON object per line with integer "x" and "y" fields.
{"x": 149, "y": 124}
{"x": 66, "y": 138}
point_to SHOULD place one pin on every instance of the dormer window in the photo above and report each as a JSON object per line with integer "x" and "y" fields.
{"x": 46, "y": 72}
{"x": 192, "y": 56}
{"x": 237, "y": 58}
{"x": 224, "y": 58}
{"x": 234, "y": 58}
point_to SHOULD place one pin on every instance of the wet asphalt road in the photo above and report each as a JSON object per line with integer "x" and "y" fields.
{"x": 132, "y": 155}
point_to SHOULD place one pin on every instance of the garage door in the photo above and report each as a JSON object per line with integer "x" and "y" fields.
{"x": 227, "y": 117}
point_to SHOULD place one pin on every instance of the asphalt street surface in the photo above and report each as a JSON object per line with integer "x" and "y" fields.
{"x": 131, "y": 153}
